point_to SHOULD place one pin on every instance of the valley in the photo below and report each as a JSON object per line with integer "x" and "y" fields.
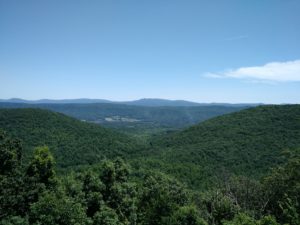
{"x": 136, "y": 119}
{"x": 149, "y": 112}
{"x": 228, "y": 152}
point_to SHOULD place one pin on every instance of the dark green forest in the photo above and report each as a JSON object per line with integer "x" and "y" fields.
{"x": 71, "y": 141}
{"x": 241, "y": 168}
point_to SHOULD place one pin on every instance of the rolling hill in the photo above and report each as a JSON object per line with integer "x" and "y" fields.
{"x": 72, "y": 142}
{"x": 248, "y": 143}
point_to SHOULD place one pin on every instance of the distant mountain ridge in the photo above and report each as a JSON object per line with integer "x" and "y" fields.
{"x": 161, "y": 102}
{"x": 56, "y": 101}
{"x": 151, "y": 102}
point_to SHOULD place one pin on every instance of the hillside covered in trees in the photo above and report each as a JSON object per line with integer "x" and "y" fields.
{"x": 107, "y": 194}
{"x": 72, "y": 142}
{"x": 247, "y": 143}
{"x": 240, "y": 168}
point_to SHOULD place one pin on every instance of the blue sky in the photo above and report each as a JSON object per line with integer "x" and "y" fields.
{"x": 204, "y": 51}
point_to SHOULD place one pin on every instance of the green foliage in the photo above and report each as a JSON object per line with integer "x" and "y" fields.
{"x": 14, "y": 220}
{"x": 114, "y": 172}
{"x": 106, "y": 187}
{"x": 283, "y": 189}
{"x": 10, "y": 154}
{"x": 290, "y": 211}
{"x": 161, "y": 196}
{"x": 243, "y": 219}
{"x": 71, "y": 141}
{"x": 41, "y": 167}
{"x": 119, "y": 193}
{"x": 18, "y": 190}
{"x": 55, "y": 208}
{"x": 248, "y": 194}
{"x": 246, "y": 143}
{"x": 268, "y": 220}
{"x": 106, "y": 216}
{"x": 11, "y": 182}
{"x": 218, "y": 207}
{"x": 12, "y": 199}
{"x": 92, "y": 188}
{"x": 187, "y": 215}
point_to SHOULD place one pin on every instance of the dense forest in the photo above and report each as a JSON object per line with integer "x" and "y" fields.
{"x": 72, "y": 142}
{"x": 247, "y": 143}
{"x": 240, "y": 168}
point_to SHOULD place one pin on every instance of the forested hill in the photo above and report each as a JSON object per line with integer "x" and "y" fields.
{"x": 72, "y": 142}
{"x": 248, "y": 142}
{"x": 274, "y": 122}
{"x": 207, "y": 157}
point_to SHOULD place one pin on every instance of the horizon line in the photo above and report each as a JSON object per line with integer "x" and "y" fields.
{"x": 138, "y": 99}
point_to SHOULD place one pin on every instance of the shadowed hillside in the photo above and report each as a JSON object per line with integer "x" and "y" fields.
{"x": 73, "y": 142}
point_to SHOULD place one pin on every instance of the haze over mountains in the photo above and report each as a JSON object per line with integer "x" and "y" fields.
{"x": 135, "y": 118}
{"x": 139, "y": 102}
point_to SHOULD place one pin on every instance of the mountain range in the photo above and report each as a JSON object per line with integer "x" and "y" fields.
{"x": 151, "y": 102}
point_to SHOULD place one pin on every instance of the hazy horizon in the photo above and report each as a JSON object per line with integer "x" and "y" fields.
{"x": 137, "y": 99}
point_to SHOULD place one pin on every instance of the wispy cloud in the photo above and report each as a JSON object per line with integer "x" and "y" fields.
{"x": 235, "y": 38}
{"x": 274, "y": 71}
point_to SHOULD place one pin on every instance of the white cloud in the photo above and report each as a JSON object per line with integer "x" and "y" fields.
{"x": 274, "y": 71}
